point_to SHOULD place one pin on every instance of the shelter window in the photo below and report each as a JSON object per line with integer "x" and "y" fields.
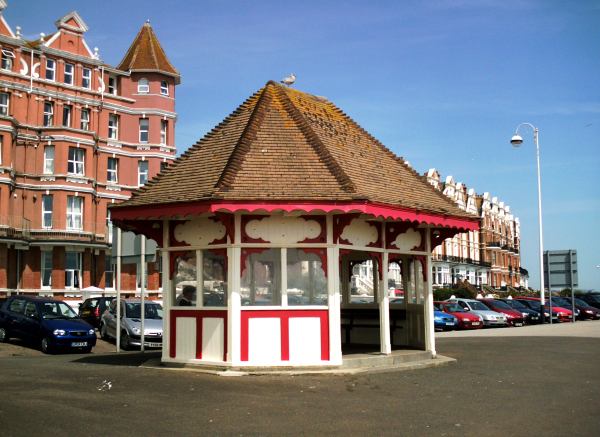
{"x": 395, "y": 286}
{"x": 306, "y": 280}
{"x": 68, "y": 77}
{"x": 143, "y": 86}
{"x": 261, "y": 278}
{"x": 86, "y": 78}
{"x": 7, "y": 60}
{"x": 186, "y": 271}
{"x": 50, "y": 69}
{"x": 214, "y": 278}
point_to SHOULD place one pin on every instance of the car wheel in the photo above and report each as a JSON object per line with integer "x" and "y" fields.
{"x": 103, "y": 332}
{"x": 3, "y": 335}
{"x": 125, "y": 341}
{"x": 45, "y": 346}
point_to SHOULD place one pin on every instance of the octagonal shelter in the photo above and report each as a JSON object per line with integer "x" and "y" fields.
{"x": 303, "y": 235}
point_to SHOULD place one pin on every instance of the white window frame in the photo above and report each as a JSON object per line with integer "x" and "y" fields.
{"x": 50, "y": 68}
{"x": 164, "y": 130}
{"x": 68, "y": 111}
{"x": 77, "y": 161}
{"x": 45, "y": 212}
{"x": 113, "y": 126}
{"x": 70, "y": 274}
{"x": 143, "y": 86}
{"x": 86, "y": 78}
{"x": 85, "y": 121}
{"x": 164, "y": 87}
{"x": 7, "y": 60}
{"x": 112, "y": 174}
{"x": 112, "y": 88}
{"x": 69, "y": 73}
{"x": 49, "y": 160}
{"x": 74, "y": 213}
{"x": 142, "y": 172}
{"x": 48, "y": 113}
{"x": 46, "y": 256}
{"x": 4, "y": 103}
{"x": 145, "y": 130}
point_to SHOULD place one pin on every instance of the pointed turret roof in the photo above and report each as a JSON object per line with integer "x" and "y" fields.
{"x": 146, "y": 54}
{"x": 285, "y": 145}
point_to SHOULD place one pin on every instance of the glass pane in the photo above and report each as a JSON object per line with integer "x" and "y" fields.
{"x": 185, "y": 279}
{"x": 214, "y": 268}
{"x": 395, "y": 288}
{"x": 306, "y": 280}
{"x": 362, "y": 282}
{"x": 261, "y": 278}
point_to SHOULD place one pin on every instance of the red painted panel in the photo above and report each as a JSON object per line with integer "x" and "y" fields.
{"x": 284, "y": 316}
{"x": 199, "y": 315}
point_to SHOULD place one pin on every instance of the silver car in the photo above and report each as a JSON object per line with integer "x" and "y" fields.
{"x": 489, "y": 317}
{"x": 131, "y": 323}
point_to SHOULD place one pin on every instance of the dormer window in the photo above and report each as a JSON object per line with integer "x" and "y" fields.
{"x": 164, "y": 88}
{"x": 143, "y": 86}
{"x": 50, "y": 69}
{"x": 7, "y": 59}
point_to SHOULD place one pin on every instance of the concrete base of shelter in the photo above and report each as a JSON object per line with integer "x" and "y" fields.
{"x": 352, "y": 364}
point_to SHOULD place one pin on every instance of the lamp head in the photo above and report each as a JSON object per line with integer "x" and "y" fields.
{"x": 516, "y": 140}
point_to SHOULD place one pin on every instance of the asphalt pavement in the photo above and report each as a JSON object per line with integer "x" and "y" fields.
{"x": 509, "y": 384}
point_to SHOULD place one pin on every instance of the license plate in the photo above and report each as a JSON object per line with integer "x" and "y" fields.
{"x": 153, "y": 344}
{"x": 79, "y": 344}
{"x": 518, "y": 324}
{"x": 449, "y": 324}
{"x": 475, "y": 323}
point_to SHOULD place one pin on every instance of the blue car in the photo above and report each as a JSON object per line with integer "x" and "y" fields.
{"x": 443, "y": 321}
{"x": 51, "y": 324}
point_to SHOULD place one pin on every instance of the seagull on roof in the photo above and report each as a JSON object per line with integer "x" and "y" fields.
{"x": 288, "y": 80}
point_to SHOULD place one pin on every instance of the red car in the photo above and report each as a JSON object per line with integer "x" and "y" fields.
{"x": 513, "y": 317}
{"x": 559, "y": 313}
{"x": 466, "y": 319}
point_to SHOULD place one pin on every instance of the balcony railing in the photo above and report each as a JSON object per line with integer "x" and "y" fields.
{"x": 14, "y": 227}
{"x": 460, "y": 260}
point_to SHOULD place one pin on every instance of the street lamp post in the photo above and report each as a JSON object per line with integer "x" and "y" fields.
{"x": 516, "y": 141}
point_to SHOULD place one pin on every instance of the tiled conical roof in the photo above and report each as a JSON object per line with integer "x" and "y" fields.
{"x": 285, "y": 145}
{"x": 146, "y": 54}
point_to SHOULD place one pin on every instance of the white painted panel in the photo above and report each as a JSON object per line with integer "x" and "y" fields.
{"x": 283, "y": 230}
{"x": 213, "y": 339}
{"x": 360, "y": 233}
{"x": 185, "y": 347}
{"x": 305, "y": 340}
{"x": 264, "y": 341}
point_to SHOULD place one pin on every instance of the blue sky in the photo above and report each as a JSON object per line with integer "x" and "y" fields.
{"x": 442, "y": 83}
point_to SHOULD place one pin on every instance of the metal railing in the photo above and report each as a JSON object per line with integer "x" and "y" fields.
{"x": 460, "y": 260}
{"x": 57, "y": 228}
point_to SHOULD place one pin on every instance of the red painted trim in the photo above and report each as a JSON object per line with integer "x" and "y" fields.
{"x": 120, "y": 214}
{"x": 284, "y": 317}
{"x": 199, "y": 315}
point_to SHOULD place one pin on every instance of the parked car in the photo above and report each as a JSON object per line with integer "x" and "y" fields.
{"x": 131, "y": 323}
{"x": 565, "y": 303}
{"x": 513, "y": 317}
{"x": 559, "y": 314}
{"x": 465, "y": 319}
{"x": 443, "y": 321}
{"x": 530, "y": 316}
{"x": 49, "y": 323}
{"x": 535, "y": 305}
{"x": 592, "y": 299}
{"x": 490, "y": 318}
{"x": 584, "y": 310}
{"x": 91, "y": 309}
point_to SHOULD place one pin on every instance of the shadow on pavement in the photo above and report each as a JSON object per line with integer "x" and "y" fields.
{"x": 120, "y": 359}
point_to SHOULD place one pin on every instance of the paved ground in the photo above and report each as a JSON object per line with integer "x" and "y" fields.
{"x": 501, "y": 385}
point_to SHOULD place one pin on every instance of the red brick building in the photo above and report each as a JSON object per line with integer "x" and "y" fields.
{"x": 76, "y": 135}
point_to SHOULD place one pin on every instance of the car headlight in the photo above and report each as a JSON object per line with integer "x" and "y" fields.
{"x": 465, "y": 320}
{"x": 560, "y": 314}
{"x": 59, "y": 332}
{"x": 91, "y": 332}
{"x": 136, "y": 331}
{"x": 589, "y": 311}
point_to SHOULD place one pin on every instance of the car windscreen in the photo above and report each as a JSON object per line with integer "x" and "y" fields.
{"x": 515, "y": 304}
{"x": 478, "y": 306}
{"x": 453, "y": 308}
{"x": 581, "y": 303}
{"x": 501, "y": 305}
{"x": 57, "y": 310}
{"x": 561, "y": 302}
{"x": 133, "y": 310}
